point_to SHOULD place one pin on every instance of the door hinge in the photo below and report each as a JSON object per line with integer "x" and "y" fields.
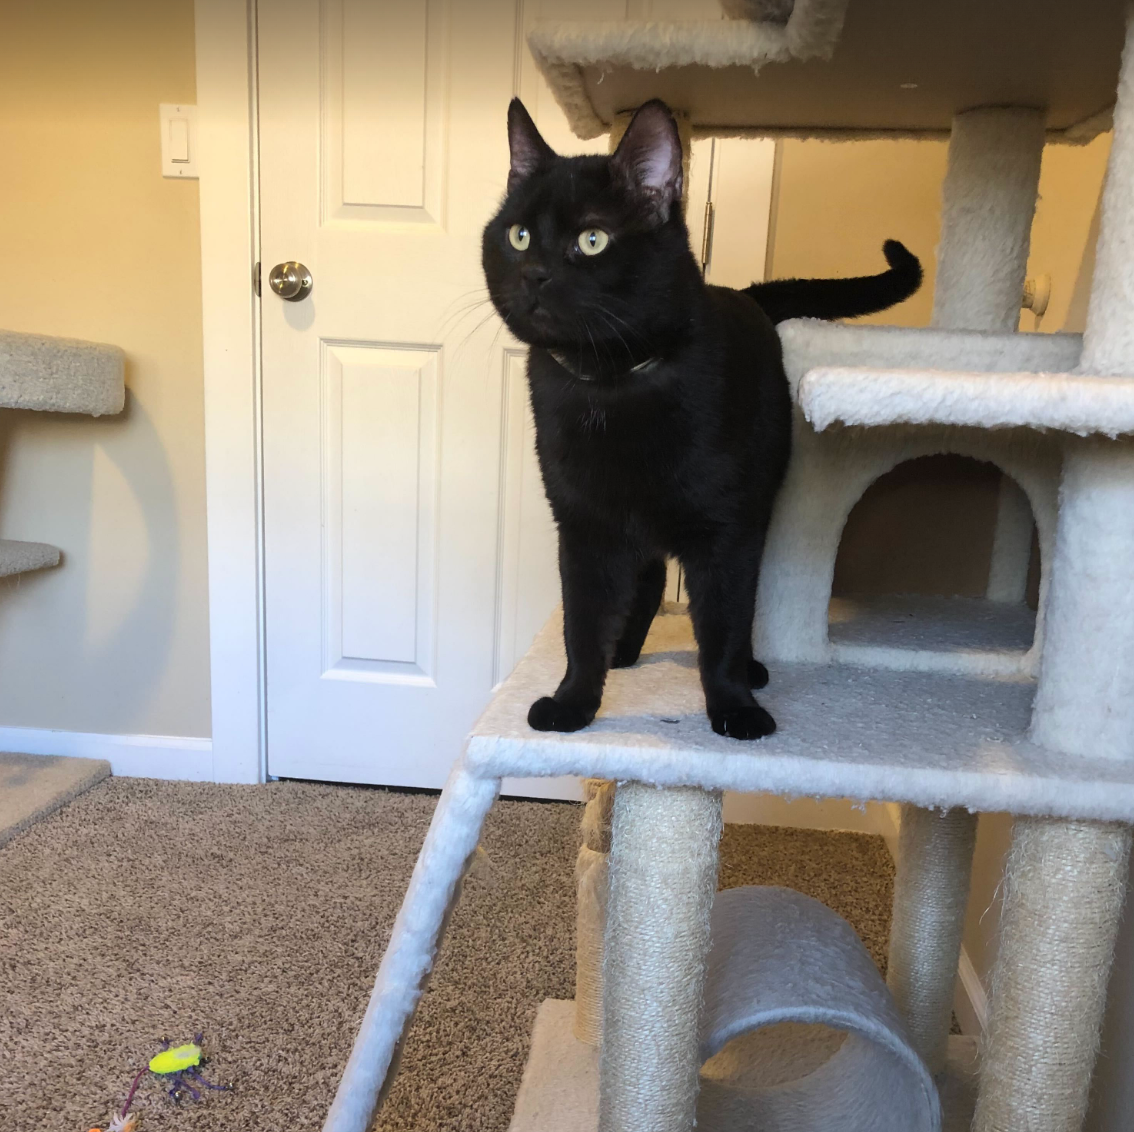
{"x": 707, "y": 238}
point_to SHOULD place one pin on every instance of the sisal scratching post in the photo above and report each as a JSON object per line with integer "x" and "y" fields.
{"x": 988, "y": 200}
{"x": 931, "y": 889}
{"x": 1063, "y": 894}
{"x": 592, "y": 884}
{"x": 663, "y": 872}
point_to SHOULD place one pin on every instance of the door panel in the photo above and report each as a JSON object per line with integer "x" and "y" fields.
{"x": 383, "y": 84}
{"x": 380, "y": 510}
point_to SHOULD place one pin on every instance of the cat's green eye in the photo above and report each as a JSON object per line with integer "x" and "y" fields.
{"x": 519, "y": 237}
{"x": 592, "y": 241}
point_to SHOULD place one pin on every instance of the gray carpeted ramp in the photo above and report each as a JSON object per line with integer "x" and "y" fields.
{"x": 33, "y": 786}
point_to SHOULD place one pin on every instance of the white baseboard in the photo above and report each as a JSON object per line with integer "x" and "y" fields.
{"x": 751, "y": 809}
{"x": 566, "y": 788}
{"x": 827, "y": 814}
{"x": 970, "y": 1003}
{"x": 131, "y": 756}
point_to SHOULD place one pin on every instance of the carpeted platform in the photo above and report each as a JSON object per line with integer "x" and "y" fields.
{"x": 259, "y": 914}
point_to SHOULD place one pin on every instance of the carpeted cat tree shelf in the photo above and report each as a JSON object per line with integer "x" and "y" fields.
{"x": 947, "y": 713}
{"x": 842, "y": 68}
{"x": 56, "y": 375}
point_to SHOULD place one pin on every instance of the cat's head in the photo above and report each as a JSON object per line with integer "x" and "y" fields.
{"x": 590, "y": 255}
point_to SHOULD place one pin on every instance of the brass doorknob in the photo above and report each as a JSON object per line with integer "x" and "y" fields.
{"x": 291, "y": 281}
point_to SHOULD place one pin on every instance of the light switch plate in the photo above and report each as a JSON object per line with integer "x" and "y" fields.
{"x": 178, "y": 140}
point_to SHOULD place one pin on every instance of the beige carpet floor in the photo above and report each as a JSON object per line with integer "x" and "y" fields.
{"x": 259, "y": 915}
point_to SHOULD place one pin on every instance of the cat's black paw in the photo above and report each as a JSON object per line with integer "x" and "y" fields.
{"x": 624, "y": 656}
{"x": 748, "y": 722}
{"x": 757, "y": 674}
{"x": 548, "y": 714}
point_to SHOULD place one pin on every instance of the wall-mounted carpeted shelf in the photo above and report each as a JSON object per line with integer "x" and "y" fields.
{"x": 55, "y": 375}
{"x": 60, "y": 375}
{"x": 887, "y": 69}
{"x": 20, "y": 557}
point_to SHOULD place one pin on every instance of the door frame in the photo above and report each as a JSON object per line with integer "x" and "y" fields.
{"x": 229, "y": 191}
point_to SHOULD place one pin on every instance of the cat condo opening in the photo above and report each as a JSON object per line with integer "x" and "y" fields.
{"x": 938, "y": 557}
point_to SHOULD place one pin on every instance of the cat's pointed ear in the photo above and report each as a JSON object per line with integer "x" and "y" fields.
{"x": 527, "y": 148}
{"x": 648, "y": 159}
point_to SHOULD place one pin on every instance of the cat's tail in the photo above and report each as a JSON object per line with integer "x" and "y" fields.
{"x": 781, "y": 299}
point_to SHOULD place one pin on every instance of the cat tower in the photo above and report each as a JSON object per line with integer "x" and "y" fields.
{"x": 676, "y": 983}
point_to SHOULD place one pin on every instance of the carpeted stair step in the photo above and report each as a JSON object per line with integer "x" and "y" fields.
{"x": 33, "y": 786}
{"x": 60, "y": 375}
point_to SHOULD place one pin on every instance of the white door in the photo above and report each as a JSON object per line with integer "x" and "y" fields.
{"x": 409, "y": 554}
{"x": 382, "y": 154}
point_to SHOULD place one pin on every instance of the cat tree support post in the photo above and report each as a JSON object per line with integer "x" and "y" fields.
{"x": 1066, "y": 880}
{"x": 663, "y": 873}
{"x": 988, "y": 200}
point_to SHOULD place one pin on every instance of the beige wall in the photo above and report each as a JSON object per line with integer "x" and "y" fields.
{"x": 1063, "y": 233}
{"x": 837, "y": 203}
{"x": 839, "y": 200}
{"x": 96, "y": 244}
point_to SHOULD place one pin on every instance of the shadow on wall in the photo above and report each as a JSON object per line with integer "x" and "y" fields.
{"x": 112, "y": 597}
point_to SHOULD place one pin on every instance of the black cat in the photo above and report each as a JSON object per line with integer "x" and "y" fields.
{"x": 663, "y": 416}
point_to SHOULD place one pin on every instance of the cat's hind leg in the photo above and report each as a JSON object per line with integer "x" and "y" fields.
{"x": 721, "y": 578}
{"x": 647, "y": 600}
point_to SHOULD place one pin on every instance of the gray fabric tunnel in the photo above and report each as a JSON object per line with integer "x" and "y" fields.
{"x": 780, "y": 956}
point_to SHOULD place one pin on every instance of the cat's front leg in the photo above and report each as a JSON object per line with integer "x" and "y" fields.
{"x": 721, "y": 579}
{"x": 598, "y": 579}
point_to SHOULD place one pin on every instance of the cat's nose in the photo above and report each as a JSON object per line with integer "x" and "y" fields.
{"x": 534, "y": 276}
